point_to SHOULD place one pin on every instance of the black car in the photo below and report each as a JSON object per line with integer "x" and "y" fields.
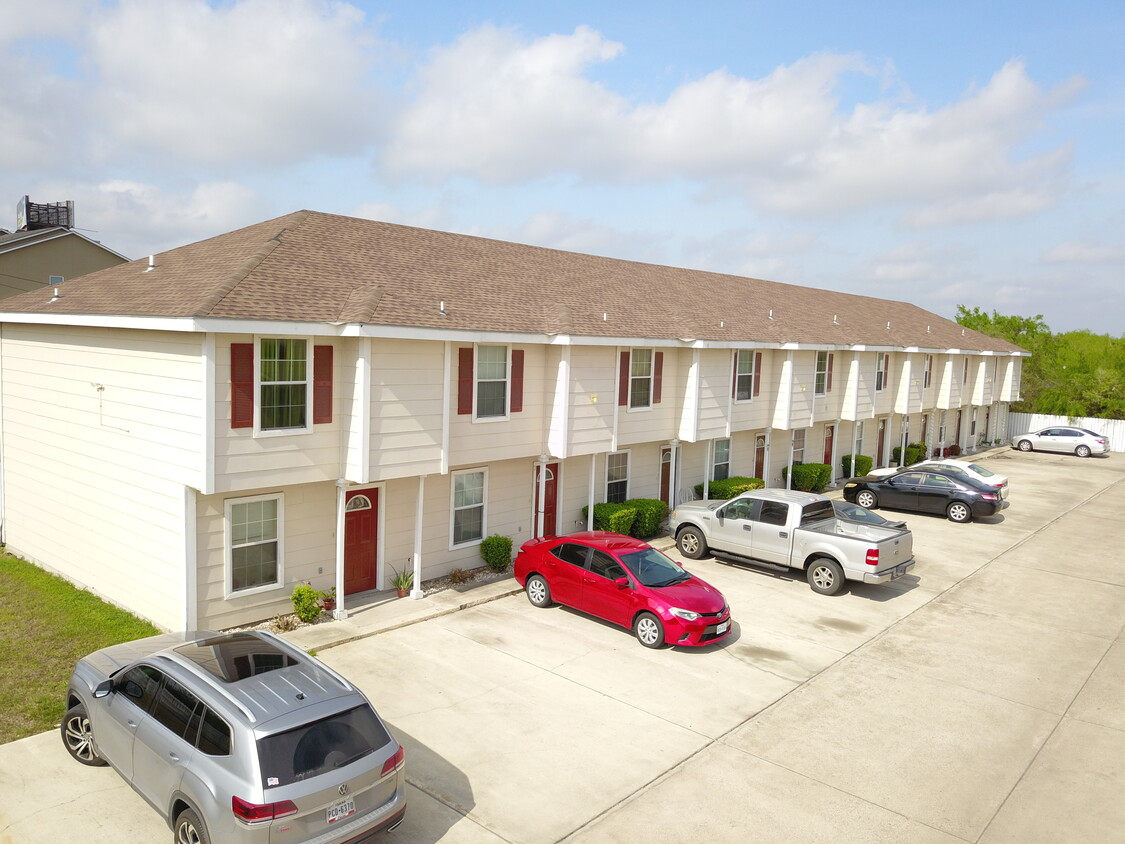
{"x": 959, "y": 496}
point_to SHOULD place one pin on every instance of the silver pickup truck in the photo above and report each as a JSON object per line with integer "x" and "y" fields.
{"x": 796, "y": 530}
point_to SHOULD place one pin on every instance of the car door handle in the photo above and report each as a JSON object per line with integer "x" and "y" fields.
{"x": 131, "y": 724}
{"x": 746, "y": 527}
{"x": 784, "y": 534}
{"x": 173, "y": 756}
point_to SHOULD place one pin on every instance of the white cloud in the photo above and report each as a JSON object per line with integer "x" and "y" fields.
{"x": 1083, "y": 252}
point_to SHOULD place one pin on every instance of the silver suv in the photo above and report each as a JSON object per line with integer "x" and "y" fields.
{"x": 237, "y": 737}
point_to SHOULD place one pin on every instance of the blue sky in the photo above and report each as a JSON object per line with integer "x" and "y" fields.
{"x": 957, "y": 153}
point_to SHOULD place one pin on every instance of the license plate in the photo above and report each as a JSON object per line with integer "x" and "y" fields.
{"x": 724, "y": 627}
{"x": 340, "y": 810}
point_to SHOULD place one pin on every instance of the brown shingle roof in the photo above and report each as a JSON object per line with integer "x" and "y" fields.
{"x": 314, "y": 267}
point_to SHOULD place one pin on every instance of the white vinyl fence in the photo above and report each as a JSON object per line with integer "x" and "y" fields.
{"x": 1021, "y": 423}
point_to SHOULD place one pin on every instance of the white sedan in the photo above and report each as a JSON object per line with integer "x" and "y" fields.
{"x": 973, "y": 470}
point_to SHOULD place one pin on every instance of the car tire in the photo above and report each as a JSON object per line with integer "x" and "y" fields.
{"x": 1082, "y": 451}
{"x": 825, "y": 576}
{"x": 538, "y": 591}
{"x": 648, "y": 630}
{"x": 691, "y": 543}
{"x": 78, "y": 737}
{"x": 1024, "y": 445}
{"x": 189, "y": 829}
{"x": 867, "y": 499}
{"x": 959, "y": 512}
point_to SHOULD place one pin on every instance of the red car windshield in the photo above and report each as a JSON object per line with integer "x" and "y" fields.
{"x": 652, "y": 568}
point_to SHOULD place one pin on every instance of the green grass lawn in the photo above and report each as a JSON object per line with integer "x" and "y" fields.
{"x": 46, "y": 624}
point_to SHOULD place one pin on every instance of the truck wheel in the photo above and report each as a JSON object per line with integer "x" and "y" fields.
{"x": 867, "y": 499}
{"x": 691, "y": 543}
{"x": 825, "y": 576}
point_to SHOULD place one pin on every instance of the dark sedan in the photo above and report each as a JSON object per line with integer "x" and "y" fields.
{"x": 959, "y": 496}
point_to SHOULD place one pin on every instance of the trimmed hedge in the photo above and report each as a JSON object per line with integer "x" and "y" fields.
{"x": 729, "y": 488}
{"x": 809, "y": 477}
{"x": 863, "y": 465}
{"x": 637, "y": 517}
{"x": 496, "y": 551}
{"x": 915, "y": 453}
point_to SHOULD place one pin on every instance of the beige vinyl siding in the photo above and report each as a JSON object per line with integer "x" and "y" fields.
{"x": 908, "y": 395}
{"x": 244, "y": 461}
{"x": 593, "y": 394}
{"x": 31, "y": 266}
{"x": 714, "y": 392}
{"x": 858, "y": 399}
{"x": 94, "y": 479}
{"x": 309, "y": 545}
{"x": 406, "y": 407}
{"x": 658, "y": 422}
{"x": 757, "y": 413}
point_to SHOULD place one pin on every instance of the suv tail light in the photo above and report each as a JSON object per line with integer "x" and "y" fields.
{"x": 395, "y": 762}
{"x": 872, "y": 556}
{"x": 259, "y": 812}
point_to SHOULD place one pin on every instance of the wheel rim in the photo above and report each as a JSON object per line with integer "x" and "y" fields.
{"x": 959, "y": 512}
{"x": 537, "y": 591}
{"x": 79, "y": 738}
{"x": 186, "y": 833}
{"x": 865, "y": 499}
{"x": 1025, "y": 446}
{"x": 648, "y": 631}
{"x": 1083, "y": 451}
{"x": 689, "y": 543}
{"x": 823, "y": 577}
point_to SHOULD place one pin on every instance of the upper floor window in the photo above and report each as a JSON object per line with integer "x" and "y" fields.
{"x": 640, "y": 378}
{"x": 928, "y": 372}
{"x": 469, "y": 500}
{"x": 489, "y": 381}
{"x": 747, "y": 365}
{"x": 720, "y": 467}
{"x": 254, "y": 542}
{"x": 617, "y": 477}
{"x": 823, "y": 373}
{"x": 276, "y": 383}
{"x": 882, "y": 370}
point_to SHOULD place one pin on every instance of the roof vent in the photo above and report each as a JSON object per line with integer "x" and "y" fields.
{"x": 151, "y": 263}
{"x": 771, "y": 313}
{"x": 888, "y": 325}
{"x": 835, "y": 319}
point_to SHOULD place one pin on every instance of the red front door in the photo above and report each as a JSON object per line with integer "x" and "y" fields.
{"x": 666, "y": 476}
{"x": 759, "y": 457}
{"x": 829, "y": 438}
{"x": 550, "y": 499}
{"x": 361, "y": 540}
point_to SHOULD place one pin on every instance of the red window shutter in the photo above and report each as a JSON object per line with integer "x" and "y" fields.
{"x": 517, "y": 380}
{"x": 623, "y": 381}
{"x": 241, "y": 385}
{"x": 657, "y": 377}
{"x": 828, "y": 385}
{"x": 757, "y": 372}
{"x": 465, "y": 380}
{"x": 322, "y": 384}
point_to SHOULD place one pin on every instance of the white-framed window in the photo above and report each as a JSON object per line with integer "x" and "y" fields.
{"x": 882, "y": 370}
{"x": 469, "y": 505}
{"x": 640, "y": 378}
{"x": 798, "y": 446}
{"x": 492, "y": 382}
{"x": 617, "y": 477}
{"x": 284, "y": 384}
{"x": 928, "y": 372}
{"x": 823, "y": 380}
{"x": 720, "y": 465}
{"x": 254, "y": 543}
{"x": 859, "y": 438}
{"x": 744, "y": 375}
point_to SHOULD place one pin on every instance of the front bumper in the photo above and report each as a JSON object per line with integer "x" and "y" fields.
{"x": 888, "y": 574}
{"x": 702, "y": 631}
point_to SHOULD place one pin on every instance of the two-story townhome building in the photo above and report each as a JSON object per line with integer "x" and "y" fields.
{"x": 324, "y": 399}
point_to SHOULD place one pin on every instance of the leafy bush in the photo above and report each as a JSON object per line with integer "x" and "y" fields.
{"x": 915, "y": 453}
{"x": 306, "y": 602}
{"x": 730, "y": 487}
{"x": 863, "y": 465}
{"x": 951, "y": 451}
{"x": 809, "y": 477}
{"x": 651, "y": 513}
{"x": 618, "y": 518}
{"x": 496, "y": 551}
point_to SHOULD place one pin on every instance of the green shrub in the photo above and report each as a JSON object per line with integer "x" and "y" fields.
{"x": 863, "y": 465}
{"x": 614, "y": 517}
{"x": 651, "y": 513}
{"x": 915, "y": 453}
{"x": 730, "y": 487}
{"x": 809, "y": 477}
{"x": 496, "y": 551}
{"x": 306, "y": 602}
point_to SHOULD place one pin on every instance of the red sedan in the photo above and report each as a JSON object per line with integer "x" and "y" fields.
{"x": 626, "y": 582}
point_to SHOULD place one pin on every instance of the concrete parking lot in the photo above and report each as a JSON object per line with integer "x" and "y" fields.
{"x": 978, "y": 699}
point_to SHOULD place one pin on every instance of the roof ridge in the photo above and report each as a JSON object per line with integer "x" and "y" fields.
{"x": 221, "y": 290}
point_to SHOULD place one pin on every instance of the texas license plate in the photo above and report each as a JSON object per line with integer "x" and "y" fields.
{"x": 724, "y": 627}
{"x": 340, "y": 810}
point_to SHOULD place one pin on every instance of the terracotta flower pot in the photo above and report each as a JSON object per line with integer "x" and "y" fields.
{"x": 402, "y": 593}
{"x": 328, "y": 604}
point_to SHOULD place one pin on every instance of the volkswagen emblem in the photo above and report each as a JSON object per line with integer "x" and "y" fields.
{"x": 343, "y": 789}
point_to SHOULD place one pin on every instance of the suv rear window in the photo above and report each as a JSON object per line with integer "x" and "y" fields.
{"x": 320, "y": 746}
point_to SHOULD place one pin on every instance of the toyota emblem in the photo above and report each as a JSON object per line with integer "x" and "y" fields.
{"x": 343, "y": 789}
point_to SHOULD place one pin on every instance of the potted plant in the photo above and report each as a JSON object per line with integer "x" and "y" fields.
{"x": 402, "y": 581}
{"x": 328, "y": 599}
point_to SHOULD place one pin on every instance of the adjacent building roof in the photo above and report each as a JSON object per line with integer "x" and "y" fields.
{"x": 315, "y": 267}
{"x": 10, "y": 241}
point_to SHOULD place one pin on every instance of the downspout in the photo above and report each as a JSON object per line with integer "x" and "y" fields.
{"x": 590, "y": 496}
{"x": 541, "y": 475}
{"x": 445, "y": 405}
{"x": 674, "y": 446}
{"x": 416, "y": 593}
{"x": 340, "y": 612}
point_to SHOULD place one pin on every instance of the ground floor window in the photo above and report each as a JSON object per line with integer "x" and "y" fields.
{"x": 254, "y": 542}
{"x": 617, "y": 477}
{"x": 720, "y": 469}
{"x": 469, "y": 490}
